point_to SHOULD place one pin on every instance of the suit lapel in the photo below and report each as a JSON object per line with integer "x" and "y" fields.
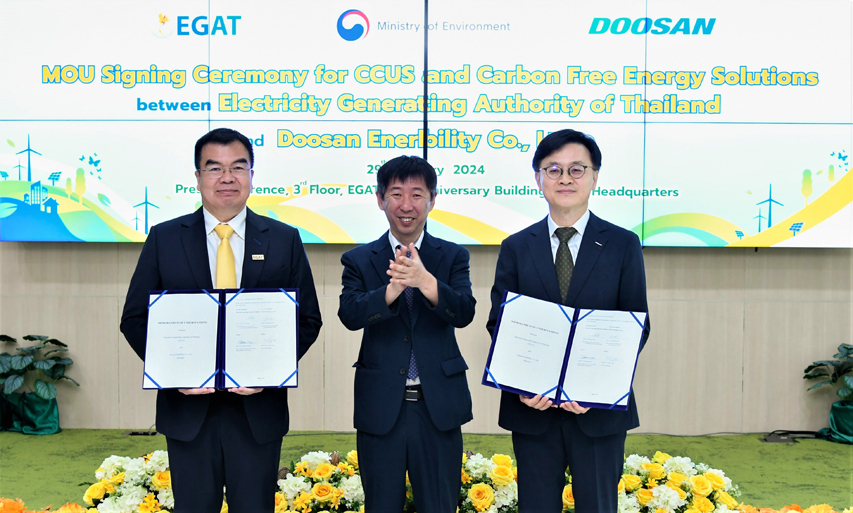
{"x": 383, "y": 253}
{"x": 431, "y": 255}
{"x": 194, "y": 241}
{"x": 257, "y": 242}
{"x": 593, "y": 242}
{"x": 542, "y": 258}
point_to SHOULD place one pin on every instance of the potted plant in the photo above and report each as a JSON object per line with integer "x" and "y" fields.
{"x": 34, "y": 412}
{"x": 839, "y": 373}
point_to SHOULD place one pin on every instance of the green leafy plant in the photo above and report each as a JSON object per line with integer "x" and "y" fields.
{"x": 835, "y": 371}
{"x": 46, "y": 370}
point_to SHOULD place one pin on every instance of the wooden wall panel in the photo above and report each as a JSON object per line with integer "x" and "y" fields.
{"x": 732, "y": 330}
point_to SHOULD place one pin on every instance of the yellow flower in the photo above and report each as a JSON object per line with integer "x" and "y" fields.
{"x": 632, "y": 482}
{"x": 280, "y": 503}
{"x": 482, "y": 496}
{"x": 464, "y": 458}
{"x": 655, "y": 470}
{"x": 302, "y": 501}
{"x": 715, "y": 480}
{"x": 700, "y": 486}
{"x": 681, "y": 493}
{"x": 346, "y": 468}
{"x": 621, "y": 487}
{"x": 644, "y": 495}
{"x": 568, "y": 498}
{"x": 149, "y": 504}
{"x": 96, "y": 491}
{"x": 323, "y": 492}
{"x": 819, "y": 508}
{"x": 501, "y": 475}
{"x": 515, "y": 473}
{"x": 162, "y": 480}
{"x": 702, "y": 504}
{"x": 676, "y": 478}
{"x": 652, "y": 483}
{"x": 323, "y": 471}
{"x": 465, "y": 477}
{"x": 70, "y": 507}
{"x": 660, "y": 457}
{"x": 352, "y": 458}
{"x": 147, "y": 457}
{"x": 301, "y": 469}
{"x": 117, "y": 479}
{"x": 502, "y": 459}
{"x": 723, "y": 497}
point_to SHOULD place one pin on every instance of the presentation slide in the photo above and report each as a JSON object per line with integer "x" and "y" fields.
{"x": 721, "y": 123}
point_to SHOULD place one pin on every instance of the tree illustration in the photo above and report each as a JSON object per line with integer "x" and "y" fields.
{"x": 81, "y": 184}
{"x": 831, "y": 174}
{"x": 68, "y": 188}
{"x": 807, "y": 185}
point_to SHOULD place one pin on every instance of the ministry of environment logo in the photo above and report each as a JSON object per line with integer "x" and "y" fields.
{"x": 163, "y": 28}
{"x": 360, "y": 26}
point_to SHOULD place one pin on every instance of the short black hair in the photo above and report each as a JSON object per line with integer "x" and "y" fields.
{"x": 403, "y": 168}
{"x": 554, "y": 141}
{"x": 223, "y": 136}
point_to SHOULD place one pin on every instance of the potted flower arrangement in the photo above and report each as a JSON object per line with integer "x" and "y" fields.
{"x": 838, "y": 373}
{"x": 34, "y": 412}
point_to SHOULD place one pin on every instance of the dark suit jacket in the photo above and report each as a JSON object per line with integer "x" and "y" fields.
{"x": 608, "y": 275}
{"x": 390, "y": 333}
{"x": 175, "y": 257}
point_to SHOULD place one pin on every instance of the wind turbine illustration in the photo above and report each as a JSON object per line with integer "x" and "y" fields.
{"x": 18, "y": 167}
{"x": 759, "y": 217}
{"x": 29, "y": 151}
{"x": 136, "y": 218}
{"x": 147, "y": 204}
{"x": 770, "y": 201}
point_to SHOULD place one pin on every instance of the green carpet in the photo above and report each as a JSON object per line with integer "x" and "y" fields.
{"x": 49, "y": 470}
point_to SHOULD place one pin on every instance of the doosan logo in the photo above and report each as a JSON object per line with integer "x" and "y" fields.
{"x": 658, "y": 26}
{"x": 360, "y": 25}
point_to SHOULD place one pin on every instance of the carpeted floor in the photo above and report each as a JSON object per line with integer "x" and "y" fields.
{"x": 50, "y": 470}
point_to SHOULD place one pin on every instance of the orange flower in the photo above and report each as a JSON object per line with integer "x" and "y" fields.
{"x": 792, "y": 507}
{"x": 465, "y": 477}
{"x": 11, "y": 506}
{"x": 71, "y": 507}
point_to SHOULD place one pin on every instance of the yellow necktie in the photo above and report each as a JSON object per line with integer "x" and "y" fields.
{"x": 226, "y": 272}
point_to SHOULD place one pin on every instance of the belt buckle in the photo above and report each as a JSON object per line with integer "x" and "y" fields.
{"x": 411, "y": 395}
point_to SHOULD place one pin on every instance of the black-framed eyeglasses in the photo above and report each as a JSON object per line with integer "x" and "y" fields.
{"x": 217, "y": 172}
{"x": 554, "y": 172}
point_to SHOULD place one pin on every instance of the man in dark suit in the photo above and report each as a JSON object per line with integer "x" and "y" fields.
{"x": 408, "y": 290}
{"x": 233, "y": 437}
{"x": 574, "y": 258}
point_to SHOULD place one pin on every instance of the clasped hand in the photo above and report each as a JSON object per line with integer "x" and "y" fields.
{"x": 410, "y": 272}
{"x": 543, "y": 403}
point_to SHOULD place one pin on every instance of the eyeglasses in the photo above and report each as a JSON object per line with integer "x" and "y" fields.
{"x": 554, "y": 172}
{"x": 217, "y": 172}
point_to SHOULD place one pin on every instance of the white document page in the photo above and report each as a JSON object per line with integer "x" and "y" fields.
{"x": 181, "y": 347}
{"x": 260, "y": 334}
{"x": 530, "y": 345}
{"x": 603, "y": 356}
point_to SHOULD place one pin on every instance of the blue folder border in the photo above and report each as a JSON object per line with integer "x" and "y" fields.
{"x": 489, "y": 379}
{"x": 218, "y": 296}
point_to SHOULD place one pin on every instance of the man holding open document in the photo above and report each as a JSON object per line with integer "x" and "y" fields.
{"x": 575, "y": 262}
{"x": 218, "y": 437}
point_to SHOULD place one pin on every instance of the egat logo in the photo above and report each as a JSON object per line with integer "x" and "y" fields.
{"x": 163, "y": 28}
{"x": 199, "y": 26}
{"x": 359, "y": 29}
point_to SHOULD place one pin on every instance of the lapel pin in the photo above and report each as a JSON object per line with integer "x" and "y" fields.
{"x": 600, "y": 244}
{"x": 257, "y": 257}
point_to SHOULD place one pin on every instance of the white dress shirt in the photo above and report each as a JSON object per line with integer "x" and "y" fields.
{"x": 237, "y": 240}
{"x": 574, "y": 242}
{"x": 394, "y": 243}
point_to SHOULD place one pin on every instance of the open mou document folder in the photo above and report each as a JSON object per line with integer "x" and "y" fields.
{"x": 222, "y": 339}
{"x": 563, "y": 353}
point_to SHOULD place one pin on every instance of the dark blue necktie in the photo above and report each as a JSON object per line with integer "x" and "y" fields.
{"x": 410, "y": 297}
